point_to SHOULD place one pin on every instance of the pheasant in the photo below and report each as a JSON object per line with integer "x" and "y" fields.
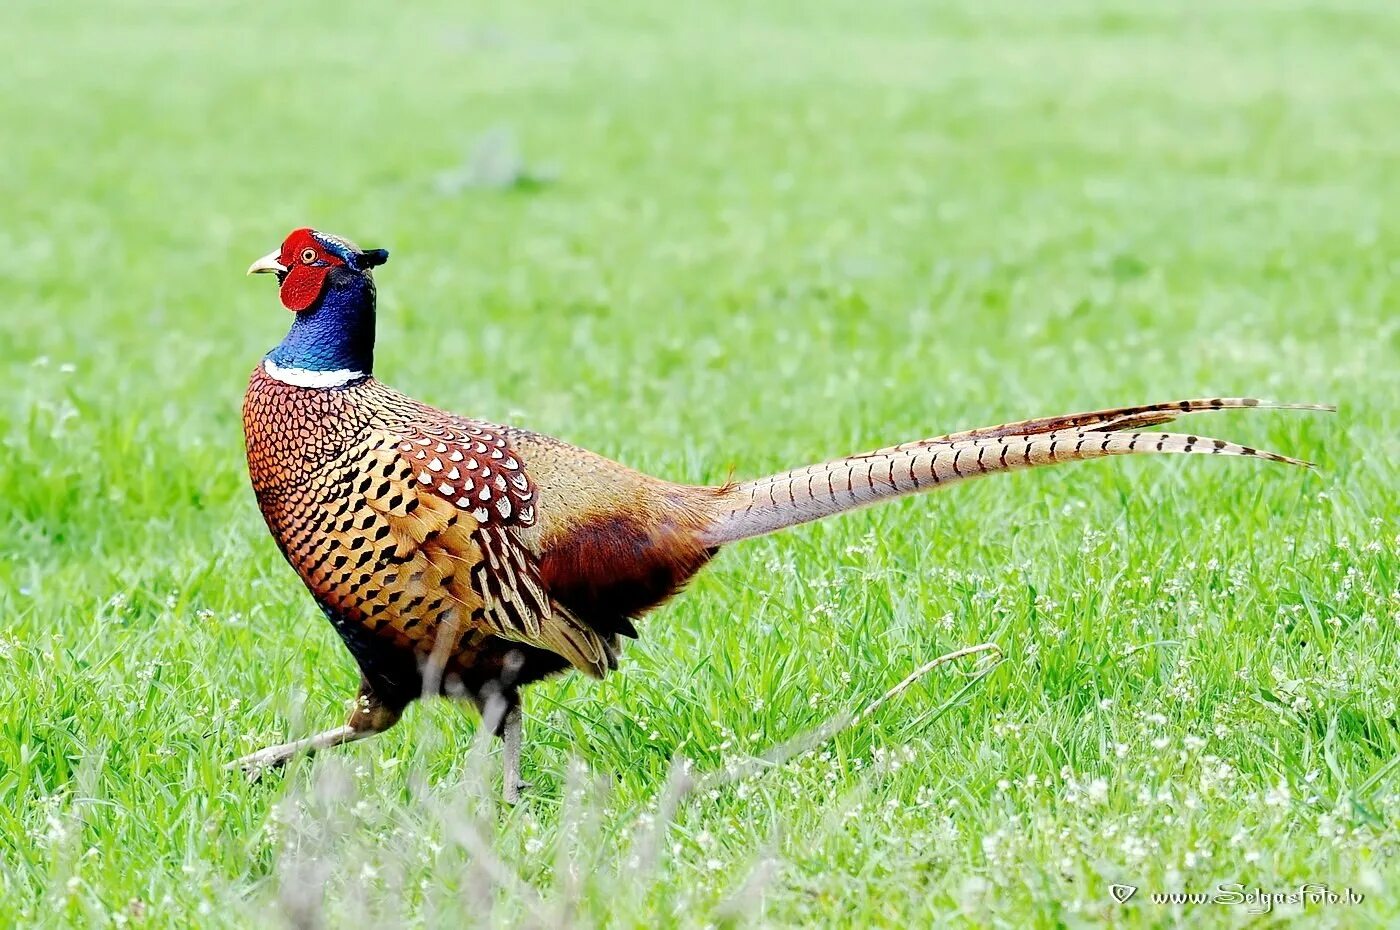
{"x": 465, "y": 558}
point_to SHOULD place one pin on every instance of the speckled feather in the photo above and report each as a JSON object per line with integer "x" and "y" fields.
{"x": 408, "y": 524}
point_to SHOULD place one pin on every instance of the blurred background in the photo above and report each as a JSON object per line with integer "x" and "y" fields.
{"x": 1144, "y": 196}
{"x": 711, "y": 237}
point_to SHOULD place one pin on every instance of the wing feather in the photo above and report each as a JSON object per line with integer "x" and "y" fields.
{"x": 457, "y": 498}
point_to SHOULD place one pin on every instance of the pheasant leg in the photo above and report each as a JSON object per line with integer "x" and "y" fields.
{"x": 510, "y": 736}
{"x": 368, "y": 718}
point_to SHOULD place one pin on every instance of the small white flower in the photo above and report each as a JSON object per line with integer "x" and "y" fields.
{"x": 1278, "y": 796}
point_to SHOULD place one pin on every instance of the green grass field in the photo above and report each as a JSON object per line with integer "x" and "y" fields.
{"x": 699, "y": 240}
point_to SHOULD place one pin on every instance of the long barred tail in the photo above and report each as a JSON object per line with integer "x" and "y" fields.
{"x": 755, "y": 508}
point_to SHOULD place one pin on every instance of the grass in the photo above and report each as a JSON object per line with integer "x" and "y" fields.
{"x": 697, "y": 239}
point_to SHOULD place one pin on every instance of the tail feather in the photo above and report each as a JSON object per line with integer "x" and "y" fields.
{"x": 1142, "y": 416}
{"x": 762, "y": 506}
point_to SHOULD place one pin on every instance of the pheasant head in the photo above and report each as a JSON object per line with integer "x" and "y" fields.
{"x": 327, "y": 282}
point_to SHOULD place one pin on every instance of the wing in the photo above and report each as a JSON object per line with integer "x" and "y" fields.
{"x": 456, "y": 498}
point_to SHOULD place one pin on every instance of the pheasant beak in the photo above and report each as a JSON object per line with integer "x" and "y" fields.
{"x": 268, "y": 264}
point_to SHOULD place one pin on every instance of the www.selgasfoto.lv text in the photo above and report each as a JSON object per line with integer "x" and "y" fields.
{"x": 1254, "y": 900}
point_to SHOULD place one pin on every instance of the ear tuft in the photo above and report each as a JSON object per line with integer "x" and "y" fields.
{"x": 372, "y": 258}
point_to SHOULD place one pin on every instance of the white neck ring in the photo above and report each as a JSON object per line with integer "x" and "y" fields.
{"x": 308, "y": 378}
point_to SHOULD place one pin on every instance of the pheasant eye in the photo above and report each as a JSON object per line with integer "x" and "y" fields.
{"x": 308, "y": 255}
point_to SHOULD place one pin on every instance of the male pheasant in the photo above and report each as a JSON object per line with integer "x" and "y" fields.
{"x": 456, "y": 556}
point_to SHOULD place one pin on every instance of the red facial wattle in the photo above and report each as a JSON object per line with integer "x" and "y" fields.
{"x": 308, "y": 263}
{"x": 303, "y": 285}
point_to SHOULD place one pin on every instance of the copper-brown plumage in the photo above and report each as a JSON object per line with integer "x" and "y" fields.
{"x": 461, "y": 557}
{"x": 406, "y": 522}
